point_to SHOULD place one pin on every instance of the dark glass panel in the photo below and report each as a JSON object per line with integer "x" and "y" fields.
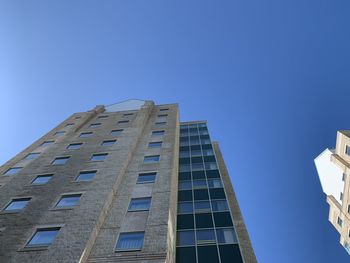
{"x": 196, "y": 160}
{"x": 185, "y": 160}
{"x": 217, "y": 193}
{"x": 230, "y": 254}
{"x": 185, "y": 195}
{"x": 213, "y": 174}
{"x": 201, "y": 194}
{"x": 223, "y": 219}
{"x": 208, "y": 254}
{"x": 185, "y": 221}
{"x": 185, "y": 176}
{"x": 198, "y": 175}
{"x": 204, "y": 220}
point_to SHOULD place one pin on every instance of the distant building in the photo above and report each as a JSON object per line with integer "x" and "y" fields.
{"x": 333, "y": 167}
{"x": 121, "y": 183}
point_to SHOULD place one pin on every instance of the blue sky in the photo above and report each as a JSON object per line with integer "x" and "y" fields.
{"x": 271, "y": 77}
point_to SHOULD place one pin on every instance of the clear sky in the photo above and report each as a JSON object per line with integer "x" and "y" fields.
{"x": 271, "y": 77}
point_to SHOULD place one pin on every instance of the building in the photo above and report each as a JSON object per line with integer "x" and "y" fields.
{"x": 333, "y": 167}
{"x": 121, "y": 183}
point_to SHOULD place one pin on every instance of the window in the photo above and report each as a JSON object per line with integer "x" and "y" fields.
{"x": 140, "y": 204}
{"x": 226, "y": 236}
{"x": 197, "y": 166}
{"x": 185, "y": 195}
{"x": 339, "y": 221}
{"x": 211, "y": 166}
{"x": 201, "y": 194}
{"x": 108, "y": 142}
{"x": 13, "y": 170}
{"x": 184, "y": 154}
{"x": 164, "y": 109}
{"x": 86, "y": 176}
{"x": 214, "y": 183}
{"x": 98, "y": 157}
{"x": 32, "y": 156}
{"x": 205, "y": 236}
{"x": 74, "y": 146}
{"x": 123, "y": 121}
{"x": 60, "y": 160}
{"x": 208, "y": 254}
{"x": 160, "y": 123}
{"x": 217, "y": 193}
{"x": 146, "y": 178}
{"x": 17, "y": 204}
{"x": 46, "y": 143}
{"x": 128, "y": 114}
{"x": 202, "y": 206}
{"x": 116, "y": 132}
{"x": 347, "y": 150}
{"x": 69, "y": 124}
{"x": 85, "y": 134}
{"x": 94, "y": 125}
{"x": 59, "y": 133}
{"x": 222, "y": 219}
{"x": 162, "y": 115}
{"x": 197, "y": 184}
{"x": 185, "y": 208}
{"x": 102, "y": 117}
{"x": 185, "y": 238}
{"x": 349, "y": 209}
{"x": 151, "y": 159}
{"x": 43, "y": 237}
{"x": 157, "y": 133}
{"x": 130, "y": 241}
{"x": 186, "y": 254}
{"x": 68, "y": 200}
{"x": 155, "y": 145}
{"x": 185, "y": 185}
{"x": 341, "y": 196}
{"x": 344, "y": 176}
{"x": 42, "y": 179}
{"x": 185, "y": 221}
{"x": 77, "y": 117}
{"x": 219, "y": 205}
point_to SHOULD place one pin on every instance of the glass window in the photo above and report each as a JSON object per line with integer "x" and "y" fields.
{"x": 205, "y": 236}
{"x": 42, "y": 179}
{"x": 186, "y": 254}
{"x": 226, "y": 236}
{"x": 32, "y": 156}
{"x": 185, "y": 195}
{"x": 43, "y": 237}
{"x": 108, "y": 142}
{"x": 94, "y": 125}
{"x": 208, "y": 254}
{"x": 68, "y": 200}
{"x": 184, "y": 154}
{"x": 60, "y": 160}
{"x": 196, "y": 153}
{"x": 13, "y": 170}
{"x": 198, "y": 175}
{"x": 160, "y": 123}
{"x": 219, "y": 205}
{"x": 185, "y": 185}
{"x": 98, "y": 157}
{"x": 213, "y": 173}
{"x": 151, "y": 159}
{"x": 223, "y": 219}
{"x": 102, "y": 117}
{"x": 154, "y": 144}
{"x": 164, "y": 109}
{"x": 208, "y": 152}
{"x": 184, "y": 143}
{"x": 214, "y": 183}
{"x": 123, "y": 121}
{"x": 197, "y": 166}
{"x": 128, "y": 114}
{"x": 199, "y": 184}
{"x": 77, "y": 117}
{"x": 202, "y": 125}
{"x": 217, "y": 193}
{"x": 204, "y": 220}
{"x": 116, "y": 132}
{"x": 86, "y": 176}
{"x": 85, "y": 134}
{"x": 140, "y": 204}
{"x": 17, "y": 204}
{"x": 340, "y": 221}
{"x": 185, "y": 238}
{"x": 130, "y": 241}
{"x": 69, "y": 124}
{"x": 347, "y": 150}
{"x": 46, "y": 143}
{"x": 205, "y": 141}
{"x": 203, "y": 132}
{"x": 59, "y": 133}
{"x": 157, "y": 133}
{"x": 185, "y": 221}
{"x": 202, "y": 206}
{"x": 74, "y": 146}
{"x": 230, "y": 253}
{"x": 161, "y": 119}
{"x": 146, "y": 177}
{"x": 201, "y": 194}
{"x": 183, "y": 176}
{"x": 211, "y": 166}
{"x": 185, "y": 208}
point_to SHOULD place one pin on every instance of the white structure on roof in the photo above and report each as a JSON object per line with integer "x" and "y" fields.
{"x": 125, "y": 105}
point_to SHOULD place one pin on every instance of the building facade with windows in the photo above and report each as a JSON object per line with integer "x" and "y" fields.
{"x": 122, "y": 183}
{"x": 333, "y": 167}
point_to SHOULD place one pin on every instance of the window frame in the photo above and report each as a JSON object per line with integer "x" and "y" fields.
{"x": 98, "y": 154}
{"x": 116, "y": 249}
{"x": 148, "y": 198}
{"x": 60, "y": 158}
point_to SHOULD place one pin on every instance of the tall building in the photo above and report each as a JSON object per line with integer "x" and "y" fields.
{"x": 121, "y": 183}
{"x": 333, "y": 167}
